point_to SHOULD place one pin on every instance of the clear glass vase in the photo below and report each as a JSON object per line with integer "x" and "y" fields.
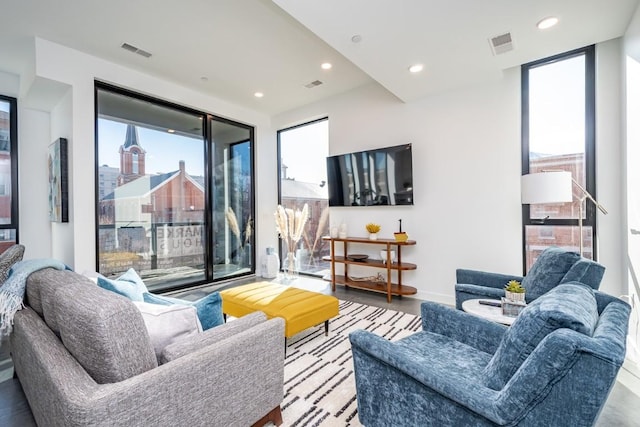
{"x": 289, "y": 266}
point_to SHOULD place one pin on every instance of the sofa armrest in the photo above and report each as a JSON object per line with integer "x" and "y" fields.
{"x": 482, "y": 278}
{"x": 473, "y": 396}
{"x": 466, "y": 328}
{"x": 195, "y": 342}
{"x": 235, "y": 381}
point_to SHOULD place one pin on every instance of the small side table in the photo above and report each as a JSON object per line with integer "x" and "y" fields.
{"x": 488, "y": 312}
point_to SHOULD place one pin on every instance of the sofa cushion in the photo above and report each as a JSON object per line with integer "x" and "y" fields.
{"x": 51, "y": 282}
{"x": 548, "y": 271}
{"x": 9, "y": 257}
{"x": 104, "y": 332}
{"x": 129, "y": 285}
{"x": 209, "y": 308}
{"x": 193, "y": 343}
{"x": 571, "y": 306}
{"x": 168, "y": 323}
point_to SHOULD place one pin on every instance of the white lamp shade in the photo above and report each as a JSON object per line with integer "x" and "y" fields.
{"x": 546, "y": 187}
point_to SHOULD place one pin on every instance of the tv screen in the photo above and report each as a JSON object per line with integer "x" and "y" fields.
{"x": 380, "y": 177}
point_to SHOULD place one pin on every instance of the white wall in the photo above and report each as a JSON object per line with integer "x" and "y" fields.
{"x": 631, "y": 131}
{"x": 466, "y": 162}
{"x": 467, "y": 156}
{"x": 72, "y": 116}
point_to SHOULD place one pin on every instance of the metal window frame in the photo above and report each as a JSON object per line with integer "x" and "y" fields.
{"x": 590, "y": 141}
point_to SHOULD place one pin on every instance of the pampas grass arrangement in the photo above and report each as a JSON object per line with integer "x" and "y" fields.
{"x": 290, "y": 224}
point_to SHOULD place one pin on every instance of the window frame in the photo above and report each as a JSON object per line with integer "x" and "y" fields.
{"x": 279, "y": 154}
{"x": 209, "y": 170}
{"x": 590, "y": 144}
{"x": 13, "y": 144}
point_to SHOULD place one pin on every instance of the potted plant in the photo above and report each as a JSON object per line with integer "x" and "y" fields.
{"x": 373, "y": 230}
{"x": 514, "y": 291}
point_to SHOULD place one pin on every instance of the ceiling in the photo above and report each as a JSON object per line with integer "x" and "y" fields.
{"x": 234, "y": 48}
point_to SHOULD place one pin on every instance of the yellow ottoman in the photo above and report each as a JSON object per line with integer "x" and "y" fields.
{"x": 300, "y": 309}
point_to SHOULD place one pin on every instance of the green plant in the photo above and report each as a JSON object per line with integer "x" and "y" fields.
{"x": 514, "y": 286}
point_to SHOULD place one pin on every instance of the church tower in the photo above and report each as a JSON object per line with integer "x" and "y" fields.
{"x": 132, "y": 157}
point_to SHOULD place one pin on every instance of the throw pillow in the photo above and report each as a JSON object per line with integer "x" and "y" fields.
{"x": 168, "y": 323}
{"x": 8, "y": 258}
{"x": 548, "y": 270}
{"x": 209, "y": 308}
{"x": 129, "y": 285}
{"x": 572, "y": 305}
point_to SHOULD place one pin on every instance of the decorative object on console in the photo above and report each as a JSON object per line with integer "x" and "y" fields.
{"x": 357, "y": 257}
{"x": 400, "y": 235}
{"x": 342, "y": 231}
{"x": 391, "y": 255}
{"x": 373, "y": 230}
{"x": 58, "y": 181}
{"x": 290, "y": 225}
{"x": 553, "y": 186}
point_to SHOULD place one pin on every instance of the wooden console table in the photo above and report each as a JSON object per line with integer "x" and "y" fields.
{"x": 387, "y": 287}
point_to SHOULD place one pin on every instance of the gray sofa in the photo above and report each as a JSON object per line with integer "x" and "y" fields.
{"x": 84, "y": 357}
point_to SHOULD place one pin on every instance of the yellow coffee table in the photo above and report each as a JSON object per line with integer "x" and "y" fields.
{"x": 299, "y": 308}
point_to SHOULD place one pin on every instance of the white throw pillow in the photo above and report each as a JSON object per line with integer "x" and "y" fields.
{"x": 168, "y": 323}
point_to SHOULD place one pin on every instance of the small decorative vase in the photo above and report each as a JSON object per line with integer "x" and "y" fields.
{"x": 289, "y": 267}
{"x": 514, "y": 296}
{"x": 373, "y": 236}
{"x": 271, "y": 264}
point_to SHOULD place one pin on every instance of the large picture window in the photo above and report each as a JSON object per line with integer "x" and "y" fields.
{"x": 558, "y": 133}
{"x": 303, "y": 152}
{"x": 8, "y": 172}
{"x": 174, "y": 189}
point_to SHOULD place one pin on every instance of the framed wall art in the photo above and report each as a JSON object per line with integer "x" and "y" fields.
{"x": 58, "y": 181}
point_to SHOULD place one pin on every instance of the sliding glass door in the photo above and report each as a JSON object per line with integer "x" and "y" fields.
{"x": 174, "y": 191}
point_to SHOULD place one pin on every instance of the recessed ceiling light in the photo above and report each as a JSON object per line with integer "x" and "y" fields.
{"x": 357, "y": 38}
{"x": 416, "y": 68}
{"x": 171, "y": 131}
{"x": 326, "y": 65}
{"x": 204, "y": 78}
{"x": 547, "y": 22}
{"x": 258, "y": 94}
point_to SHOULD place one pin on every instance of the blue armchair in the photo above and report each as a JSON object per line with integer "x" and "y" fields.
{"x": 553, "y": 267}
{"x": 554, "y": 366}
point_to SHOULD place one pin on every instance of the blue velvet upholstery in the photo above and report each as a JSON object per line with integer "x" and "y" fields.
{"x": 436, "y": 377}
{"x": 553, "y": 267}
{"x": 570, "y": 306}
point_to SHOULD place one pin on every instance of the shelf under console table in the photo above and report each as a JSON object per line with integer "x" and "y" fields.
{"x": 386, "y": 287}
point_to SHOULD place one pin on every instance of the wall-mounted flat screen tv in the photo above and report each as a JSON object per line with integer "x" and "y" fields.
{"x": 379, "y": 177}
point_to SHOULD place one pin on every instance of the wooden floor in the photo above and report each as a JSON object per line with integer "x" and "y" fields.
{"x": 621, "y": 410}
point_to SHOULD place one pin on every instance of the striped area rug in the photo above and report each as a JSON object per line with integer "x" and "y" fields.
{"x": 319, "y": 382}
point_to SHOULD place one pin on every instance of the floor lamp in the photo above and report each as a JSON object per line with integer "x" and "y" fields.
{"x": 556, "y": 187}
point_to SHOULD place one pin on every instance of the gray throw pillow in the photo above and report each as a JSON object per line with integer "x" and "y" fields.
{"x": 572, "y": 305}
{"x": 168, "y": 323}
{"x": 8, "y": 258}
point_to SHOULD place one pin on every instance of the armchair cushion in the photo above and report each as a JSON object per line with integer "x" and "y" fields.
{"x": 571, "y": 306}
{"x": 548, "y": 271}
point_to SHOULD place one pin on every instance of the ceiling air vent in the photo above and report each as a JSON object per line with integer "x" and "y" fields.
{"x": 501, "y": 44}
{"x": 313, "y": 84}
{"x": 131, "y": 48}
